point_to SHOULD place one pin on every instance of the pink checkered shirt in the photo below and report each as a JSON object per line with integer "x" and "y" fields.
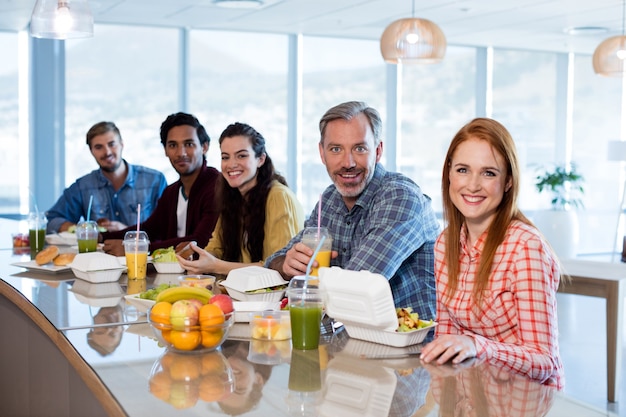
{"x": 517, "y": 328}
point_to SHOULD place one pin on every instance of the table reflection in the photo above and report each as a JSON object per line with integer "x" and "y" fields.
{"x": 480, "y": 390}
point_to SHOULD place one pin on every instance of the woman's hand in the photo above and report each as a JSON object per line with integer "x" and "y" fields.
{"x": 206, "y": 262}
{"x": 449, "y": 347}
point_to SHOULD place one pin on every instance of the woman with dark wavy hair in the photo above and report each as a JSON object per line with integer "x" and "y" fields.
{"x": 259, "y": 212}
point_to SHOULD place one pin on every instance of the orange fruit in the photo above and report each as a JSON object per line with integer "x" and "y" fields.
{"x": 165, "y": 334}
{"x": 212, "y": 388}
{"x": 160, "y": 312}
{"x": 211, "y": 338}
{"x": 160, "y": 384}
{"x": 213, "y": 363}
{"x": 185, "y": 368}
{"x": 210, "y": 315}
{"x": 183, "y": 340}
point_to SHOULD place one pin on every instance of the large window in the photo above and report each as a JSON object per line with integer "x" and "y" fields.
{"x": 524, "y": 101}
{"x": 436, "y": 101}
{"x": 240, "y": 77}
{"x": 127, "y": 75}
{"x": 334, "y": 71}
{"x": 11, "y": 148}
{"x": 596, "y": 121}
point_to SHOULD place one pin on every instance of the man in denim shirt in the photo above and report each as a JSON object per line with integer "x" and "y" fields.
{"x": 117, "y": 187}
{"x": 380, "y": 221}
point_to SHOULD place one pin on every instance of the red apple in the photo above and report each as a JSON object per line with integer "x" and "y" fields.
{"x": 223, "y": 301}
{"x": 196, "y": 302}
{"x": 184, "y": 313}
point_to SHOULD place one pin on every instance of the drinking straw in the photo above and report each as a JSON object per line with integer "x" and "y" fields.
{"x": 89, "y": 207}
{"x": 137, "y": 236}
{"x": 308, "y": 268}
{"x": 319, "y": 216}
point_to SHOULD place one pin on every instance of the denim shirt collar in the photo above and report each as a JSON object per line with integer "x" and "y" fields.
{"x": 130, "y": 176}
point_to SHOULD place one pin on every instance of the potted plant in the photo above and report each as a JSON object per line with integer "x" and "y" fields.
{"x": 560, "y": 224}
{"x": 565, "y": 185}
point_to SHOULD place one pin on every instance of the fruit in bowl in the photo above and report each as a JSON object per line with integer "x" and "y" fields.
{"x": 200, "y": 281}
{"x": 183, "y": 320}
{"x": 183, "y": 380}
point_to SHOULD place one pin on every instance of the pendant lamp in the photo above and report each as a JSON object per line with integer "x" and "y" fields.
{"x": 609, "y": 56}
{"x": 413, "y": 41}
{"x": 61, "y": 19}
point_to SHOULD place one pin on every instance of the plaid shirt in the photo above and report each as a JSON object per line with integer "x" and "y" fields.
{"x": 517, "y": 327}
{"x": 391, "y": 231}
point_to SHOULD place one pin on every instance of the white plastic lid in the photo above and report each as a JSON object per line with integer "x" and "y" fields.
{"x": 252, "y": 278}
{"x": 359, "y": 297}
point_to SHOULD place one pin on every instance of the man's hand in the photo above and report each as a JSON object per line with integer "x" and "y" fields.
{"x": 65, "y": 225}
{"x": 297, "y": 258}
{"x": 114, "y": 247}
{"x": 111, "y": 225}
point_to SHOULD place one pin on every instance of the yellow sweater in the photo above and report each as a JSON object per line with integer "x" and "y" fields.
{"x": 284, "y": 218}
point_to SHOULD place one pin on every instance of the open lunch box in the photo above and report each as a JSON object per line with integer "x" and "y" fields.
{"x": 363, "y": 302}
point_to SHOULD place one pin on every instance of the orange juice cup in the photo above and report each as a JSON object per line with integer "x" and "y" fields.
{"x": 311, "y": 237}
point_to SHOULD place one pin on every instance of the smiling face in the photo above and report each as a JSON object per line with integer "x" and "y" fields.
{"x": 107, "y": 151}
{"x": 350, "y": 154}
{"x": 478, "y": 181}
{"x": 239, "y": 164}
{"x": 184, "y": 150}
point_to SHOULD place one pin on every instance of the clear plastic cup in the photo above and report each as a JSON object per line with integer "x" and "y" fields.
{"x": 37, "y": 223}
{"x": 136, "y": 246}
{"x": 305, "y": 311}
{"x": 311, "y": 238}
{"x": 87, "y": 236}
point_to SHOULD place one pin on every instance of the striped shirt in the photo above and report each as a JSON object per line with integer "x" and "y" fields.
{"x": 517, "y": 327}
{"x": 390, "y": 231}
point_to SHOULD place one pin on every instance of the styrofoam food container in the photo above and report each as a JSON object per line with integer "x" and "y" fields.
{"x": 362, "y": 301}
{"x": 168, "y": 267}
{"x": 107, "y": 275}
{"x": 244, "y": 308}
{"x": 354, "y": 390}
{"x": 106, "y": 294}
{"x": 95, "y": 261}
{"x": 241, "y": 283}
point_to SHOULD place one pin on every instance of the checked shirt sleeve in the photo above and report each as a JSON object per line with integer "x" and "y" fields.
{"x": 393, "y": 230}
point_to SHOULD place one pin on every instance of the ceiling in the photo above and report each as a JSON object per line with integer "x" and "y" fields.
{"x": 520, "y": 24}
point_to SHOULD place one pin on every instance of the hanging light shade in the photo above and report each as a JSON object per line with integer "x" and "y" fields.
{"x": 609, "y": 56}
{"x": 61, "y": 19}
{"x": 411, "y": 41}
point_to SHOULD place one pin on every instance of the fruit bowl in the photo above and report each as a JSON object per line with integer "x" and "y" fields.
{"x": 184, "y": 338}
{"x": 202, "y": 281}
{"x": 183, "y": 380}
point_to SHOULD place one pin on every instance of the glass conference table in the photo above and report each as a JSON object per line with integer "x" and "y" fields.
{"x": 109, "y": 364}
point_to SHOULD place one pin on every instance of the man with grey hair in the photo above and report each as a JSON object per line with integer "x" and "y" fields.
{"x": 117, "y": 187}
{"x": 380, "y": 221}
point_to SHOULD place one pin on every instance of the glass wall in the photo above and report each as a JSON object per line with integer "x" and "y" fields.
{"x": 127, "y": 75}
{"x": 240, "y": 77}
{"x": 596, "y": 121}
{"x": 138, "y": 85}
{"x": 334, "y": 71}
{"x": 11, "y": 149}
{"x": 524, "y": 101}
{"x": 436, "y": 101}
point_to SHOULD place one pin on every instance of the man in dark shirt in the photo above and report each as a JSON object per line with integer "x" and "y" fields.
{"x": 188, "y": 209}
